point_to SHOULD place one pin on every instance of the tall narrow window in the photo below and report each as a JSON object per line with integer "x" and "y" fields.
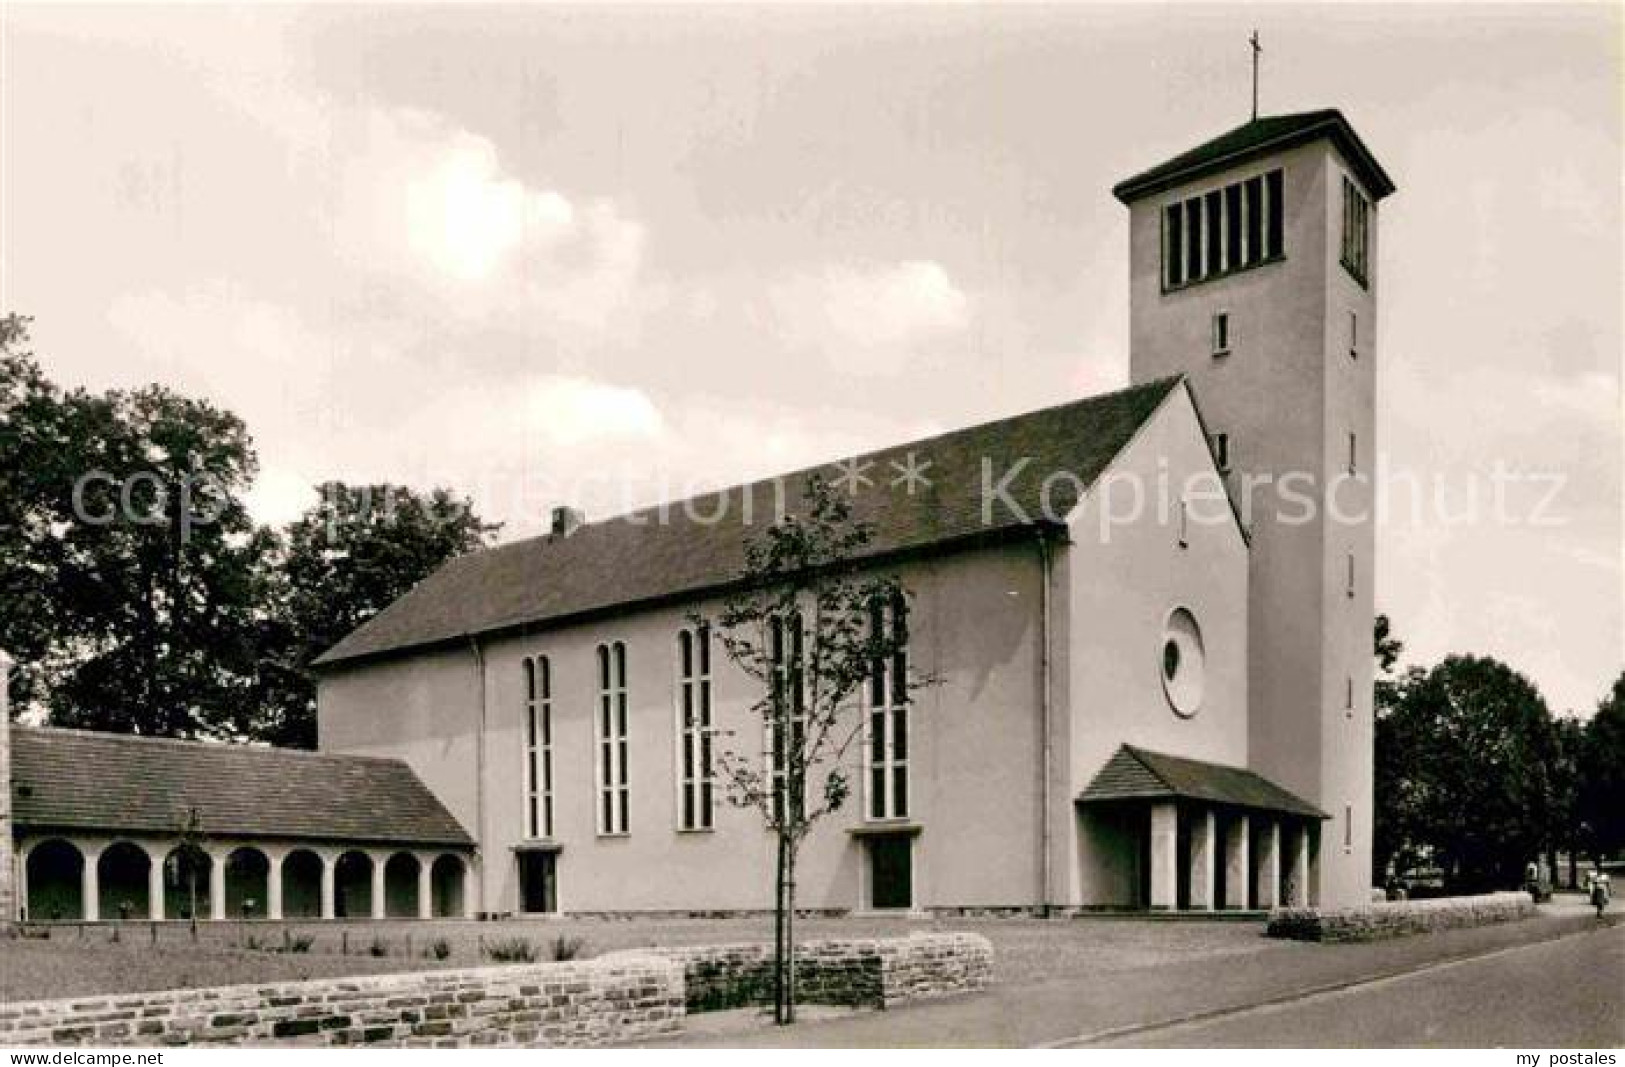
{"x": 538, "y": 747}
{"x": 1174, "y": 245}
{"x": 1275, "y": 219}
{"x": 1356, "y": 232}
{"x": 787, "y": 731}
{"x": 694, "y": 734}
{"x": 1221, "y": 452}
{"x": 1354, "y": 335}
{"x": 1348, "y": 695}
{"x": 1232, "y": 227}
{"x": 1255, "y": 220}
{"x": 1354, "y": 454}
{"x": 1184, "y": 524}
{"x": 1193, "y": 240}
{"x": 887, "y": 741}
{"x": 612, "y": 777}
{"x": 1214, "y": 228}
{"x": 1348, "y": 827}
{"x": 1351, "y": 575}
{"x": 1221, "y": 333}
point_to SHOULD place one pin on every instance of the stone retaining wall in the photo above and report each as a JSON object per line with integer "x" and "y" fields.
{"x": 1370, "y": 922}
{"x": 623, "y": 996}
{"x": 554, "y": 1004}
{"x": 860, "y": 972}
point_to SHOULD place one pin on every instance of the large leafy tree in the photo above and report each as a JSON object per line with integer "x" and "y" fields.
{"x": 1394, "y": 769}
{"x": 1473, "y": 789}
{"x": 36, "y": 459}
{"x": 127, "y": 555}
{"x": 1601, "y": 799}
{"x": 356, "y": 550}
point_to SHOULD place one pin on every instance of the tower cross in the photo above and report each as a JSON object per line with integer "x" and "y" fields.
{"x": 1257, "y": 49}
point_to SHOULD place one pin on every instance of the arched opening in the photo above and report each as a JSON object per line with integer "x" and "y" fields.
{"x": 352, "y": 886}
{"x": 56, "y": 871}
{"x": 447, "y": 876}
{"x": 401, "y": 886}
{"x": 248, "y": 882}
{"x": 186, "y": 883}
{"x": 121, "y": 872}
{"x": 302, "y": 885}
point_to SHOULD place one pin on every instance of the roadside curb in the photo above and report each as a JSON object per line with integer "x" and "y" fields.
{"x": 1576, "y": 928}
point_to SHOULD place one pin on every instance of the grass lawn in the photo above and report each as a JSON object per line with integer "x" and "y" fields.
{"x": 75, "y": 962}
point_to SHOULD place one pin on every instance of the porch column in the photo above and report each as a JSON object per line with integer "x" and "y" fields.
{"x": 217, "y": 886}
{"x": 155, "y": 885}
{"x": 1204, "y": 846}
{"x": 426, "y": 886}
{"x": 378, "y": 862}
{"x": 1298, "y": 881}
{"x": 468, "y": 887}
{"x": 1164, "y": 856}
{"x": 90, "y": 884}
{"x": 1236, "y": 873}
{"x": 329, "y": 877}
{"x": 273, "y": 884}
{"x": 21, "y": 913}
{"x": 1269, "y": 865}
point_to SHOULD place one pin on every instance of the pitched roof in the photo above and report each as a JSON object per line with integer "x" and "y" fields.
{"x": 1258, "y": 137}
{"x": 79, "y": 780}
{"x": 683, "y": 549}
{"x": 1137, "y": 774}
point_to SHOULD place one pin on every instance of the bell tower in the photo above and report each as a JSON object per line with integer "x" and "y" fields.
{"x": 1252, "y": 264}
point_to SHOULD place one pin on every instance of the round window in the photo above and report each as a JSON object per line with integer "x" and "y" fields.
{"x": 1182, "y": 663}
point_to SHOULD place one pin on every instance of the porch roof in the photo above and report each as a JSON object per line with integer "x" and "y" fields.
{"x": 117, "y": 783}
{"x": 1139, "y": 774}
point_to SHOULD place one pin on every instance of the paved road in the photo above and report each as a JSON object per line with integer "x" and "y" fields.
{"x": 1556, "y": 994}
{"x": 1088, "y": 1006}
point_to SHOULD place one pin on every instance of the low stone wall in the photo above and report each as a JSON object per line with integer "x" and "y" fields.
{"x": 860, "y": 972}
{"x": 623, "y": 996}
{"x": 555, "y": 1004}
{"x": 1371, "y": 922}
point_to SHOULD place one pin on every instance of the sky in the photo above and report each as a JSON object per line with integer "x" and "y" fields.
{"x": 611, "y": 255}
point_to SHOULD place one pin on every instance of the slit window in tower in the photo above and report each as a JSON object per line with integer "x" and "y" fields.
{"x": 1193, "y": 240}
{"x": 1232, "y": 227}
{"x": 1214, "y": 229}
{"x": 1274, "y": 230}
{"x": 1174, "y": 245}
{"x": 1255, "y": 221}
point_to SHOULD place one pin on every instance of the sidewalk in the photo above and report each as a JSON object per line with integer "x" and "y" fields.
{"x": 1069, "y": 1009}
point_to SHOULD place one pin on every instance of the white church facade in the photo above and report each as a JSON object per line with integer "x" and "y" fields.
{"x": 1151, "y": 660}
{"x": 1168, "y": 712}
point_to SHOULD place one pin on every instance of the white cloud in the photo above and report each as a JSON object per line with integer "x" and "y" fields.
{"x": 416, "y": 196}
{"x": 575, "y": 411}
{"x": 870, "y": 319}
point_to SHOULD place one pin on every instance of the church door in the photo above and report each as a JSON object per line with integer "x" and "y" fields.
{"x": 538, "y": 882}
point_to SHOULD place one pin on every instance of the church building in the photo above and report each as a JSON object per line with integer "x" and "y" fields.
{"x": 1147, "y": 616}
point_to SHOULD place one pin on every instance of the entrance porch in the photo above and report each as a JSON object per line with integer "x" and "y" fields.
{"x": 1165, "y": 833}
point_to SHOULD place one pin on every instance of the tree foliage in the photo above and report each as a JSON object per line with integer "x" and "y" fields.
{"x": 1600, "y": 801}
{"x": 336, "y": 566}
{"x": 1465, "y": 757}
{"x": 129, "y": 515}
{"x": 137, "y": 593}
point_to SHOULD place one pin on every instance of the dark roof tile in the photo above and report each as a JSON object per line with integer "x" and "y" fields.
{"x": 80, "y": 780}
{"x": 1272, "y": 133}
{"x": 1138, "y": 774}
{"x": 641, "y": 557}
